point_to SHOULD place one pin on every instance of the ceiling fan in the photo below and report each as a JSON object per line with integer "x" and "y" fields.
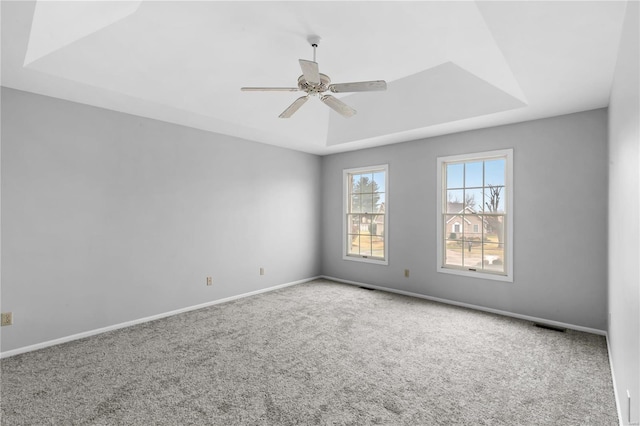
{"x": 315, "y": 83}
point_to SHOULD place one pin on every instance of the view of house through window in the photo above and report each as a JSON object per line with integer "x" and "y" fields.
{"x": 474, "y": 213}
{"x": 366, "y": 223}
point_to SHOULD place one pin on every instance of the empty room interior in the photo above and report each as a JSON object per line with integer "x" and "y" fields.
{"x": 273, "y": 213}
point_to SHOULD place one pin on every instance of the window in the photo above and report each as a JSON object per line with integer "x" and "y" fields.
{"x": 475, "y": 210}
{"x": 366, "y": 207}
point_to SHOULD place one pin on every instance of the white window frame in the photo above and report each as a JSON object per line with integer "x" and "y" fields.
{"x": 345, "y": 199}
{"x": 507, "y": 154}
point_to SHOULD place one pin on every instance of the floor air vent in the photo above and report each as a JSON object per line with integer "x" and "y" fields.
{"x": 550, "y": 327}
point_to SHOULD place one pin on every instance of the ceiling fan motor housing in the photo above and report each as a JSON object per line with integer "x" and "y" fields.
{"x": 313, "y": 88}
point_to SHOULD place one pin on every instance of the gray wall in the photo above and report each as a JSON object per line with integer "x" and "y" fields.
{"x": 624, "y": 218}
{"x": 108, "y": 217}
{"x": 560, "y": 219}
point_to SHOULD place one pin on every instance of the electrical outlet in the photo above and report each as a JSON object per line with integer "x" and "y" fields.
{"x": 406, "y": 273}
{"x": 209, "y": 280}
{"x": 7, "y": 318}
{"x": 261, "y": 271}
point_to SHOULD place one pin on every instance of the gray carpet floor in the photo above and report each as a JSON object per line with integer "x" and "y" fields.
{"x": 318, "y": 353}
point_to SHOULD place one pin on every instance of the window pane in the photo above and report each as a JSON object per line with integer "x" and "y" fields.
{"x": 453, "y": 253}
{"x": 377, "y": 225}
{"x": 365, "y": 244}
{"x": 454, "y": 201}
{"x": 494, "y": 257}
{"x": 368, "y": 205}
{"x": 454, "y": 175}
{"x": 494, "y": 199}
{"x": 361, "y": 183}
{"x": 355, "y": 183}
{"x": 453, "y": 227}
{"x": 363, "y": 226}
{"x": 378, "y": 178}
{"x": 474, "y": 226}
{"x": 453, "y": 243}
{"x": 377, "y": 246}
{"x": 373, "y": 184}
{"x": 494, "y": 229}
{"x": 353, "y": 224}
{"x": 473, "y": 200}
{"x": 356, "y": 203}
{"x": 494, "y": 172}
{"x": 353, "y": 246}
{"x": 365, "y": 223}
{"x": 473, "y": 174}
{"x": 472, "y": 253}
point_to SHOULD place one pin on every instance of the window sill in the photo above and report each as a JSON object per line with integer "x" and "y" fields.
{"x": 366, "y": 260}
{"x": 475, "y": 274}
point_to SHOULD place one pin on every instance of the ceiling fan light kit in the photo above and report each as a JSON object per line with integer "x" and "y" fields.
{"x": 315, "y": 83}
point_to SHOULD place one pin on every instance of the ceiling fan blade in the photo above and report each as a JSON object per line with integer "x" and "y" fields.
{"x": 360, "y": 86}
{"x": 294, "y": 107}
{"x": 269, "y": 89}
{"x": 338, "y": 106}
{"x": 310, "y": 71}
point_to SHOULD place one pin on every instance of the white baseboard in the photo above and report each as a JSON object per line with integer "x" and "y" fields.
{"x": 89, "y": 333}
{"x": 475, "y": 307}
{"x": 613, "y": 380}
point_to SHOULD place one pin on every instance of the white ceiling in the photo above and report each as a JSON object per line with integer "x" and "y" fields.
{"x": 450, "y": 66}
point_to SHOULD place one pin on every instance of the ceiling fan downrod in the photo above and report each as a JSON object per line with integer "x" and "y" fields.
{"x": 314, "y": 41}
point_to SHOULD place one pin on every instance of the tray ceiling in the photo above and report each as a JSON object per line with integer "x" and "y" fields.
{"x": 450, "y": 66}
